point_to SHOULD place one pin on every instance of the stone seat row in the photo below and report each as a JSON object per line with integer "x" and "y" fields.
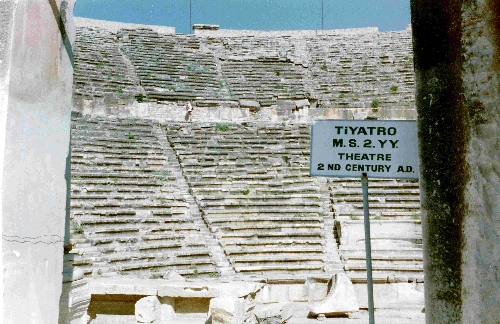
{"x": 119, "y": 136}
{"x": 251, "y": 185}
{"x": 259, "y": 191}
{"x": 155, "y": 163}
{"x": 248, "y": 139}
{"x": 240, "y": 176}
{"x": 97, "y": 204}
{"x": 258, "y": 203}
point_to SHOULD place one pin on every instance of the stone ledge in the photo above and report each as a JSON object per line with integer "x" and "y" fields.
{"x": 163, "y": 288}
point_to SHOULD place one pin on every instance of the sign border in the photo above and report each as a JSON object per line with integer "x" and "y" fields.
{"x": 360, "y": 174}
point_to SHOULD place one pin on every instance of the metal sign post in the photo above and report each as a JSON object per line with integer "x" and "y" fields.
{"x": 376, "y": 148}
{"x": 368, "y": 248}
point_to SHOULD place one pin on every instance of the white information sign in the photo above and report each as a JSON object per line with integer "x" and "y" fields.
{"x": 379, "y": 148}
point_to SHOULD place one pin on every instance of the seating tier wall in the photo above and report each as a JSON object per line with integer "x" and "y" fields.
{"x": 128, "y": 213}
{"x": 341, "y": 70}
{"x": 252, "y": 185}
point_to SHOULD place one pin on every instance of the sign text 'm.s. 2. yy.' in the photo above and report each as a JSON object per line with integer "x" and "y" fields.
{"x": 348, "y": 148}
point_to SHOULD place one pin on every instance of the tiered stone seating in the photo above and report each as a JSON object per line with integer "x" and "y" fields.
{"x": 396, "y": 232}
{"x": 172, "y": 67}
{"x": 343, "y": 70}
{"x": 100, "y": 69}
{"x": 128, "y": 212}
{"x": 353, "y": 70}
{"x": 265, "y": 79}
{"x": 252, "y": 185}
{"x": 251, "y": 46}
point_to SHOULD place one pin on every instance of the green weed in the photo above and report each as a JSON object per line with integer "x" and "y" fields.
{"x": 139, "y": 97}
{"x": 78, "y": 228}
{"x": 220, "y": 127}
{"x": 375, "y": 103}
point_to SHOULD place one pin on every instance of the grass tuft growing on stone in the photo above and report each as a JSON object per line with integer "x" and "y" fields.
{"x": 220, "y": 127}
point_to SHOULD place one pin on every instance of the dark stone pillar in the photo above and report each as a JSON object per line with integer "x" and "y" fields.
{"x": 456, "y": 52}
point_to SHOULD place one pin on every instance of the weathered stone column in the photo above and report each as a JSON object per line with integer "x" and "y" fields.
{"x": 35, "y": 104}
{"x": 457, "y": 64}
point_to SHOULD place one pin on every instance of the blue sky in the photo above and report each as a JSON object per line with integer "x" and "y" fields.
{"x": 252, "y": 14}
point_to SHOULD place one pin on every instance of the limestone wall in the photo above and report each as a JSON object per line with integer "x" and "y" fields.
{"x": 457, "y": 65}
{"x": 35, "y": 100}
{"x": 173, "y": 111}
{"x": 115, "y": 27}
{"x": 281, "y": 33}
{"x": 480, "y": 34}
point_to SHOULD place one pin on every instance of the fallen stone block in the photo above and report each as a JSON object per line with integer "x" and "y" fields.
{"x": 341, "y": 299}
{"x": 226, "y": 310}
{"x": 253, "y": 105}
{"x": 148, "y": 310}
{"x": 277, "y": 313}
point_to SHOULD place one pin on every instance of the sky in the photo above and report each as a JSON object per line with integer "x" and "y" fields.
{"x": 387, "y": 15}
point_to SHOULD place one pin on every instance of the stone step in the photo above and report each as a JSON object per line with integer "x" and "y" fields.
{"x": 269, "y": 238}
{"x": 271, "y": 213}
{"x": 266, "y": 228}
{"x": 276, "y": 258}
{"x": 287, "y": 267}
{"x": 386, "y": 266}
{"x": 237, "y": 250}
{"x": 265, "y": 220}
{"x": 382, "y": 277}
